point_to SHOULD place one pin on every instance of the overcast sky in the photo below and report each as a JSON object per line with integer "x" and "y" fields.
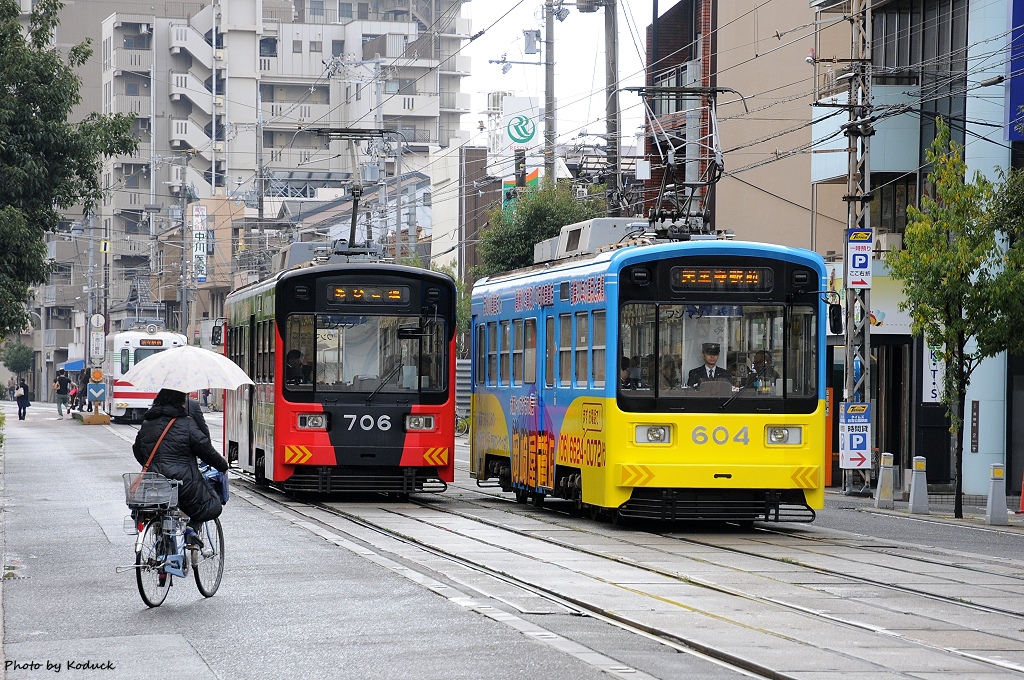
{"x": 579, "y": 61}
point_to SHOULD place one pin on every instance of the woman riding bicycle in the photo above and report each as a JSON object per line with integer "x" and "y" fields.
{"x": 176, "y": 458}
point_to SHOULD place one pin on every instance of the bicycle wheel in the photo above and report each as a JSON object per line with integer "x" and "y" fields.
{"x": 153, "y": 581}
{"x": 461, "y": 426}
{"x": 208, "y": 563}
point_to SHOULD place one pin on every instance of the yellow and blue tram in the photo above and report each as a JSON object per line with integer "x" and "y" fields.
{"x": 673, "y": 380}
{"x": 355, "y": 382}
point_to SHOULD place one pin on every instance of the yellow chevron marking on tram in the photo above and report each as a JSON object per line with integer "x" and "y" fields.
{"x": 636, "y": 475}
{"x": 436, "y": 456}
{"x": 806, "y": 477}
{"x": 296, "y": 455}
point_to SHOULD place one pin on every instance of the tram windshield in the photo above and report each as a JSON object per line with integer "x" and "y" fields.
{"x": 751, "y": 351}
{"x": 349, "y": 353}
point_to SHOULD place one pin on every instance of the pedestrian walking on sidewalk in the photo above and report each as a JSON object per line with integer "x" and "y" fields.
{"x": 21, "y": 394}
{"x": 62, "y": 385}
{"x": 12, "y": 386}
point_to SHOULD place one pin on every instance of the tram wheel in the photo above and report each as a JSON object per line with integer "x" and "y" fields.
{"x": 521, "y": 495}
{"x": 538, "y": 498}
{"x": 596, "y": 513}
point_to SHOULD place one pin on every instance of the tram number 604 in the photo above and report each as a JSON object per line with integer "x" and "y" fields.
{"x": 367, "y": 422}
{"x": 719, "y": 435}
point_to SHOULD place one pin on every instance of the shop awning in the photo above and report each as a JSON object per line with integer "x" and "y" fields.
{"x": 76, "y": 365}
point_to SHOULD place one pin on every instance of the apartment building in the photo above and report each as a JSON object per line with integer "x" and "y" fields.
{"x": 239, "y": 105}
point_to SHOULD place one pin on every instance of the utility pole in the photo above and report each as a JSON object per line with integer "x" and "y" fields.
{"x": 549, "y": 93}
{"x": 611, "y": 52}
{"x": 184, "y": 243}
{"x": 857, "y": 386}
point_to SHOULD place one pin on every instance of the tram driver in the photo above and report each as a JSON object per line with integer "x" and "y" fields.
{"x": 296, "y": 372}
{"x": 708, "y": 371}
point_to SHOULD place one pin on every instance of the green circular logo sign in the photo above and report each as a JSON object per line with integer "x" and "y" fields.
{"x": 521, "y": 130}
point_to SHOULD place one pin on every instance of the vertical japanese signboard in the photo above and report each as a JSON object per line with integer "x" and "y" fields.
{"x": 860, "y": 248}
{"x": 199, "y": 242}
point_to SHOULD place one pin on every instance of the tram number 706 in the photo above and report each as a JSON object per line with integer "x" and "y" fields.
{"x": 719, "y": 435}
{"x": 367, "y": 422}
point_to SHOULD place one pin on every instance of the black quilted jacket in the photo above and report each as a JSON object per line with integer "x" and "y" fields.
{"x": 176, "y": 458}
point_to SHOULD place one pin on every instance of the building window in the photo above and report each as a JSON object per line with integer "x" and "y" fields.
{"x": 131, "y": 89}
{"x": 337, "y": 48}
{"x": 316, "y": 9}
{"x": 316, "y": 46}
{"x": 344, "y": 10}
{"x": 296, "y": 47}
{"x": 268, "y": 47}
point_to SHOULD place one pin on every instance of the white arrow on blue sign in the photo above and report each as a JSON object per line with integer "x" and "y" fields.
{"x": 97, "y": 392}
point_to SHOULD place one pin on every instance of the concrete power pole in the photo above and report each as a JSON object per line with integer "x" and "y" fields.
{"x": 549, "y": 93}
{"x": 184, "y": 244}
{"x": 857, "y": 386}
{"x": 611, "y": 51}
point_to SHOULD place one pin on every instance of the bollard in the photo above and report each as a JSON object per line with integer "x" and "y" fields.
{"x": 883, "y": 492}
{"x": 995, "y": 511}
{"x": 919, "y": 488}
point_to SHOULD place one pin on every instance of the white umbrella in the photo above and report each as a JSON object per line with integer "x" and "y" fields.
{"x": 187, "y": 369}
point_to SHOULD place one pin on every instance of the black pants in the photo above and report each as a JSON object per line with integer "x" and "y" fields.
{"x": 21, "y": 412}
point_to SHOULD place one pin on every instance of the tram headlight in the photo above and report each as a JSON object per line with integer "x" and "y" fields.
{"x": 312, "y": 421}
{"x": 777, "y": 434}
{"x": 653, "y": 434}
{"x": 419, "y": 423}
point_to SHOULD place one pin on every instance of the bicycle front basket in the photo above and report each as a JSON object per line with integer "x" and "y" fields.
{"x": 150, "y": 490}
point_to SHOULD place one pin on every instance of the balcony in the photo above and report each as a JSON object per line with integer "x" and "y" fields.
{"x": 129, "y": 247}
{"x": 894, "y": 147}
{"x": 288, "y": 114}
{"x": 184, "y": 38}
{"x": 141, "y": 107}
{"x": 455, "y": 101}
{"x": 61, "y": 294}
{"x": 299, "y": 159}
{"x": 58, "y": 338}
{"x": 459, "y": 28}
{"x": 457, "y": 65}
{"x": 139, "y": 61}
{"x": 192, "y": 88}
{"x": 411, "y": 105}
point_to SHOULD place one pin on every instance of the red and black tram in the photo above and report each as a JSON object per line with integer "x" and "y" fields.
{"x": 355, "y": 381}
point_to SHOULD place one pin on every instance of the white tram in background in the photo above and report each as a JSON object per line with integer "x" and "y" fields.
{"x": 124, "y": 350}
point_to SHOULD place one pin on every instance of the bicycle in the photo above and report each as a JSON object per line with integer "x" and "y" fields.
{"x": 160, "y": 549}
{"x": 461, "y": 425}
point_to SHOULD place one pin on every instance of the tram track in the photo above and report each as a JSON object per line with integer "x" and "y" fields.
{"x": 824, "y": 571}
{"x": 674, "y": 640}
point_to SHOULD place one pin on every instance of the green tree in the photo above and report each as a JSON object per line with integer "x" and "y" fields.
{"x": 462, "y": 310}
{"x": 16, "y": 357}
{"x": 47, "y": 164}
{"x": 963, "y": 283}
{"x": 508, "y": 242}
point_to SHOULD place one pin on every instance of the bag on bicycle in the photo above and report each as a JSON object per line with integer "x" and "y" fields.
{"x": 218, "y": 481}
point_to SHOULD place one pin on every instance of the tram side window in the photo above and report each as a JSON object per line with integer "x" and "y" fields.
{"x": 261, "y": 332}
{"x": 126, "y": 364}
{"x": 801, "y": 366}
{"x": 299, "y": 351}
{"x": 492, "y": 353}
{"x": 530, "y": 351}
{"x": 518, "y": 344}
{"x": 597, "y": 342}
{"x": 565, "y": 349}
{"x": 481, "y": 354}
{"x": 636, "y": 333}
{"x": 550, "y": 351}
{"x": 582, "y": 348}
{"x": 503, "y": 376}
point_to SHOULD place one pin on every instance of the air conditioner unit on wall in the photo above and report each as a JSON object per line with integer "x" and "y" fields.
{"x": 886, "y": 242}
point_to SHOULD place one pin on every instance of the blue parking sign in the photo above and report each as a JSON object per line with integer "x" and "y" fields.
{"x": 854, "y": 435}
